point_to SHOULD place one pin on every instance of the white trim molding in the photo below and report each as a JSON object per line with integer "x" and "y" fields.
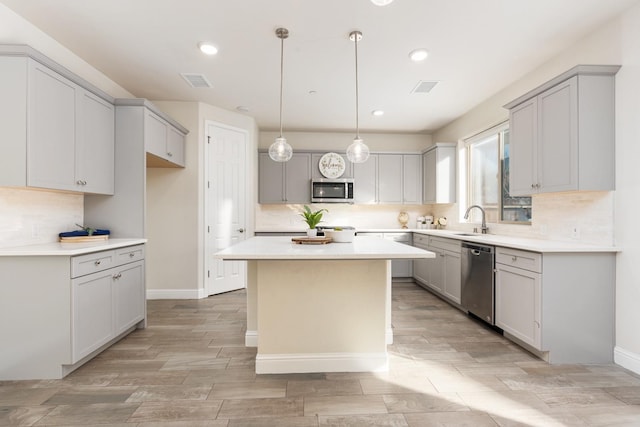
{"x": 176, "y": 293}
{"x": 321, "y": 362}
{"x": 627, "y": 359}
{"x": 251, "y": 338}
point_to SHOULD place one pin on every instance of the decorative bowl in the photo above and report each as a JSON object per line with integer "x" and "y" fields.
{"x": 341, "y": 236}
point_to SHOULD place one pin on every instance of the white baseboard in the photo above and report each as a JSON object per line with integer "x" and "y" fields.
{"x": 627, "y": 359}
{"x": 176, "y": 294}
{"x": 389, "y": 336}
{"x": 251, "y": 338}
{"x": 321, "y": 362}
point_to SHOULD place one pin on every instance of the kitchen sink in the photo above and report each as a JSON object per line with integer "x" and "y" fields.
{"x": 466, "y": 234}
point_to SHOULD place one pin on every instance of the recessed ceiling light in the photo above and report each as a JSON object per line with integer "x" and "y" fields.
{"x": 377, "y": 113}
{"x": 381, "y": 2}
{"x": 207, "y": 48}
{"x": 242, "y": 109}
{"x": 418, "y": 55}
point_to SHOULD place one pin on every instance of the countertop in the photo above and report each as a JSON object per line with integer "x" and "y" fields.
{"x": 282, "y": 248}
{"x": 68, "y": 249}
{"x": 527, "y": 244}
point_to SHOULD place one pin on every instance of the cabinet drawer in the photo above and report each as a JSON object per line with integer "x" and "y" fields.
{"x": 452, "y": 245}
{"x": 129, "y": 254}
{"x": 531, "y": 261}
{"x": 420, "y": 239}
{"x": 91, "y": 263}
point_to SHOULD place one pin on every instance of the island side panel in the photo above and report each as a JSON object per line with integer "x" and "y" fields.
{"x": 251, "y": 335}
{"x": 322, "y": 316}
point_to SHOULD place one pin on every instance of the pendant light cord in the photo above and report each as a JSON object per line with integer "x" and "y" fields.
{"x": 355, "y": 38}
{"x": 281, "y": 78}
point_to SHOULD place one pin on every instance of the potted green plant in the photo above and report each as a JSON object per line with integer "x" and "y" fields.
{"x": 312, "y": 218}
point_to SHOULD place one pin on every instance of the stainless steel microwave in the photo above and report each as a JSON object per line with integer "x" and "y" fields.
{"x": 332, "y": 190}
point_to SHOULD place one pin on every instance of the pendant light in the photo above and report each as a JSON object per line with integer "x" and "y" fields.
{"x": 357, "y": 152}
{"x": 280, "y": 150}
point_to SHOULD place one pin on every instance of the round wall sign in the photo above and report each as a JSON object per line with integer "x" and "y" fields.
{"x": 331, "y": 165}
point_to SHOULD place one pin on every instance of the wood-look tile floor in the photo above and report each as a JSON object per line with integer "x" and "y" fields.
{"x": 190, "y": 368}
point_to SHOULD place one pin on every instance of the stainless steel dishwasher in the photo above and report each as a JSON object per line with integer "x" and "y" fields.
{"x": 478, "y": 280}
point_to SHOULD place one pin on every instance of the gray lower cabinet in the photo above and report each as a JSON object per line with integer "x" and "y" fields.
{"x": 558, "y": 305}
{"x": 562, "y": 134}
{"x": 285, "y": 182}
{"x": 71, "y": 308}
{"x": 441, "y": 274}
{"x": 62, "y": 135}
{"x": 400, "y": 268}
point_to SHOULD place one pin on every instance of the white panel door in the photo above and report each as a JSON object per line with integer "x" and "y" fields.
{"x": 225, "y": 214}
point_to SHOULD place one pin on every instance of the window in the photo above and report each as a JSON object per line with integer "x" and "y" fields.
{"x": 488, "y": 178}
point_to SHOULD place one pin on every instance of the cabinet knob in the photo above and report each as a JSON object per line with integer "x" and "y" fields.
{"x": 131, "y": 254}
{"x": 514, "y": 258}
{"x": 241, "y": 230}
{"x": 117, "y": 276}
{"x": 170, "y": 154}
{"x": 81, "y": 182}
{"x": 97, "y": 262}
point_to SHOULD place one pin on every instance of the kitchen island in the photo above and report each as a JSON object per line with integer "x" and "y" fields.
{"x": 319, "y": 308}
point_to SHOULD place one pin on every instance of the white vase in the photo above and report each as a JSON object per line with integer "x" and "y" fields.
{"x": 312, "y": 232}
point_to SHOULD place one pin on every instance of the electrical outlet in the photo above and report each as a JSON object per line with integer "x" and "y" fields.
{"x": 575, "y": 232}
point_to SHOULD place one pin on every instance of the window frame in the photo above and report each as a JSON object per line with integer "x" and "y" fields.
{"x": 468, "y": 142}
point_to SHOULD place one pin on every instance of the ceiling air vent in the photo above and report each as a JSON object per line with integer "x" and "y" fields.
{"x": 196, "y": 80}
{"x": 424, "y": 87}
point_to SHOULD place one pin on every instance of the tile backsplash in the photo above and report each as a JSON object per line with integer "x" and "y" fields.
{"x": 585, "y": 217}
{"x": 29, "y": 216}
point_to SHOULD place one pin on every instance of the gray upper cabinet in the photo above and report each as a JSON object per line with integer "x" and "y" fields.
{"x": 61, "y": 134}
{"x": 562, "y": 133}
{"x": 390, "y": 178}
{"x": 125, "y": 212}
{"x": 365, "y": 175}
{"x": 285, "y": 182}
{"x": 163, "y": 142}
{"x": 96, "y": 153}
{"x": 411, "y": 179}
{"x": 439, "y": 174}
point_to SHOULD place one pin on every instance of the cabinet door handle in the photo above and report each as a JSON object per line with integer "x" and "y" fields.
{"x": 117, "y": 276}
{"x": 97, "y": 262}
{"x": 81, "y": 182}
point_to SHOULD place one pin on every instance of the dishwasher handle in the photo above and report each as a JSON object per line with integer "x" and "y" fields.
{"x": 475, "y": 252}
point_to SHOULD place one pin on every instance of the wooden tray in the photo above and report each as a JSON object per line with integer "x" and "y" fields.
{"x": 319, "y": 240}
{"x": 84, "y": 239}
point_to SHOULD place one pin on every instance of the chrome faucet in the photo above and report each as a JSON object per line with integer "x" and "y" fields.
{"x": 483, "y": 227}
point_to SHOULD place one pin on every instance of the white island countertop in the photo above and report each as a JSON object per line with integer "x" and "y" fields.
{"x": 282, "y": 248}
{"x": 69, "y": 249}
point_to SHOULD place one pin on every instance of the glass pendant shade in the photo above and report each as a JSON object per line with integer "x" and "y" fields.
{"x": 358, "y": 152}
{"x": 281, "y": 151}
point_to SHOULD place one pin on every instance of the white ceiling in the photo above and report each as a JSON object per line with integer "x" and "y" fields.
{"x": 476, "y": 48}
